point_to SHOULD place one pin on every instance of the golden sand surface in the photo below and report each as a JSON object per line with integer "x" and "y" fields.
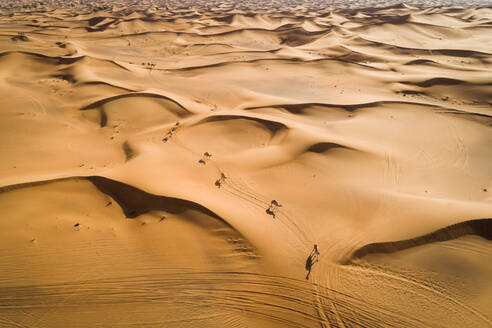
{"x": 174, "y": 164}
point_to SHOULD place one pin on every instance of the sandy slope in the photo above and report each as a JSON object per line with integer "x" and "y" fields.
{"x": 141, "y": 147}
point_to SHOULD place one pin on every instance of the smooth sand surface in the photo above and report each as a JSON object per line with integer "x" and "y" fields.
{"x": 174, "y": 165}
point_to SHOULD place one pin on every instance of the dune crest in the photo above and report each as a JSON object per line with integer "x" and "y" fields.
{"x": 479, "y": 227}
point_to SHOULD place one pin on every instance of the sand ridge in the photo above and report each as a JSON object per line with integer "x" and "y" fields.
{"x": 173, "y": 165}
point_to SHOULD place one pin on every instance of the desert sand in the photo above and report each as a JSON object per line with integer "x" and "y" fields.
{"x": 173, "y": 164}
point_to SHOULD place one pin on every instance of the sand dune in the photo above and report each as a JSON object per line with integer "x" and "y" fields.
{"x": 174, "y": 164}
{"x": 480, "y": 227}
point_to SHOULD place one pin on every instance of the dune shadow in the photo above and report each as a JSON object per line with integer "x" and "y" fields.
{"x": 478, "y": 227}
{"x": 135, "y": 202}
